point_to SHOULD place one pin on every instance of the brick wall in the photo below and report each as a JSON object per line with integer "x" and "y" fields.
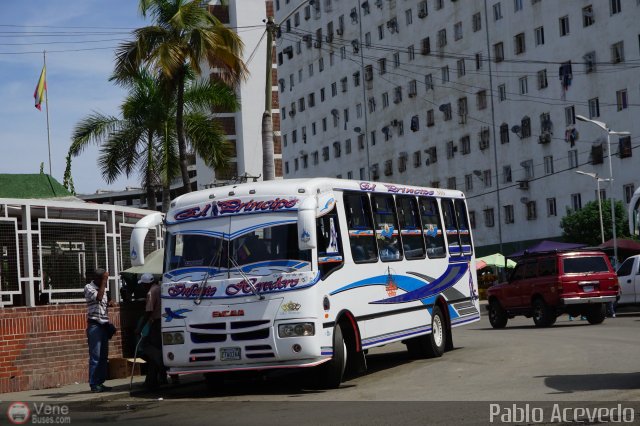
{"x": 46, "y": 346}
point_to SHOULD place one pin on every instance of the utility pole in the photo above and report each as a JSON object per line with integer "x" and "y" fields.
{"x": 268, "y": 166}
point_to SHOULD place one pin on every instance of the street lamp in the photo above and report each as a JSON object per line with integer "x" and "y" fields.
{"x": 598, "y": 180}
{"x": 610, "y": 132}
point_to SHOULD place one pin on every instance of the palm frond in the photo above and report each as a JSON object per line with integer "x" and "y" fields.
{"x": 207, "y": 139}
{"x": 205, "y": 96}
{"x": 96, "y": 128}
{"x": 120, "y": 154}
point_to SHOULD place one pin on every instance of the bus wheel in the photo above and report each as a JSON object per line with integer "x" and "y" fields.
{"x": 430, "y": 345}
{"x": 332, "y": 372}
{"x": 438, "y": 337}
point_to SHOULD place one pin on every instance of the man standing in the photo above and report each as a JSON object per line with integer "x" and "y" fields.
{"x": 97, "y": 330}
{"x": 156, "y": 372}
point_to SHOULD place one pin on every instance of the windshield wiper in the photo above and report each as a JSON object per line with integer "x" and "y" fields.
{"x": 253, "y": 288}
{"x": 203, "y": 283}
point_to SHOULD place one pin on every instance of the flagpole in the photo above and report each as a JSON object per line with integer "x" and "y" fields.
{"x": 46, "y": 103}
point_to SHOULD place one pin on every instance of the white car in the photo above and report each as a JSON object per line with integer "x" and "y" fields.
{"x": 629, "y": 280}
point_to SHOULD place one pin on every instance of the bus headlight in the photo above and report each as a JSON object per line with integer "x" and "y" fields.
{"x": 296, "y": 329}
{"x": 173, "y": 338}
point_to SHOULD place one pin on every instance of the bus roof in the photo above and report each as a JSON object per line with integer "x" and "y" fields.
{"x": 299, "y": 187}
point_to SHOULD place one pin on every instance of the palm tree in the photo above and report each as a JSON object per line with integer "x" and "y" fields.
{"x": 183, "y": 36}
{"x": 145, "y": 138}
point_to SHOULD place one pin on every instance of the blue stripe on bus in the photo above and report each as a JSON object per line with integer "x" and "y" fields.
{"x": 395, "y": 335}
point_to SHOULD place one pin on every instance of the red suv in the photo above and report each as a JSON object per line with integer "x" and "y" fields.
{"x": 546, "y": 285}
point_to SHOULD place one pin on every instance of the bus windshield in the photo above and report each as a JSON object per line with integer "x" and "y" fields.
{"x": 196, "y": 249}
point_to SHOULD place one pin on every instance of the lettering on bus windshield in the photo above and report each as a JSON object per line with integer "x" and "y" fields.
{"x": 396, "y": 189}
{"x": 241, "y": 288}
{"x": 235, "y": 206}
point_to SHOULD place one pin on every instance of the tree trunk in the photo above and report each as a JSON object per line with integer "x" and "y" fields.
{"x": 268, "y": 167}
{"x": 166, "y": 196}
{"x": 182, "y": 145}
{"x": 151, "y": 194}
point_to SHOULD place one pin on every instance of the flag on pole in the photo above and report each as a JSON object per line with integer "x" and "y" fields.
{"x": 40, "y": 88}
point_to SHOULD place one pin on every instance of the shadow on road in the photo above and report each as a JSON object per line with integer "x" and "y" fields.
{"x": 592, "y": 382}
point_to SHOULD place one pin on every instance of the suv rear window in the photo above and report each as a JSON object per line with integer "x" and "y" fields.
{"x": 580, "y": 265}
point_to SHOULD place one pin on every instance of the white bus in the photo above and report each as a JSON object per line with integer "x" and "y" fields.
{"x": 313, "y": 272}
{"x": 634, "y": 214}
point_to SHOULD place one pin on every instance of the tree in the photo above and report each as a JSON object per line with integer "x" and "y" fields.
{"x": 583, "y": 226}
{"x": 144, "y": 138}
{"x": 67, "y": 181}
{"x": 183, "y": 36}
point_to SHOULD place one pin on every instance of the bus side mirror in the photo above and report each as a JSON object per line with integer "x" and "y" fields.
{"x": 138, "y": 235}
{"x": 307, "y": 224}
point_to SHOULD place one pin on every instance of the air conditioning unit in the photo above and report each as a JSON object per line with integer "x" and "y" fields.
{"x": 292, "y": 113}
{"x": 484, "y": 144}
{"x": 378, "y": 3}
{"x": 329, "y": 37}
{"x": 462, "y": 118}
{"x": 317, "y": 44}
{"x": 339, "y": 31}
{"x": 395, "y": 122}
{"x": 523, "y": 184}
{"x": 427, "y": 161}
{"x": 544, "y": 138}
{"x": 422, "y": 13}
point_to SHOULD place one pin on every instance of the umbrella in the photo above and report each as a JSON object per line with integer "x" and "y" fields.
{"x": 480, "y": 264}
{"x": 496, "y": 259}
{"x": 152, "y": 264}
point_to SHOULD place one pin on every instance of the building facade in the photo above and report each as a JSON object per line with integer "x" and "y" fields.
{"x": 480, "y": 96}
{"x": 244, "y": 127}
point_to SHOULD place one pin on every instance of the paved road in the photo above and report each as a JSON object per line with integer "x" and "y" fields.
{"x": 571, "y": 361}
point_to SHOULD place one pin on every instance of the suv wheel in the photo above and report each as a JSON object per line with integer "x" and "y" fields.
{"x": 497, "y": 315}
{"x": 596, "y": 313}
{"x": 543, "y": 315}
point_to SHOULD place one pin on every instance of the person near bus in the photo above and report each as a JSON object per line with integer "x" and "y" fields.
{"x": 98, "y": 329}
{"x": 152, "y": 344}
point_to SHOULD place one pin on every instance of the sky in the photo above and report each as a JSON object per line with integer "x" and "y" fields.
{"x": 77, "y": 81}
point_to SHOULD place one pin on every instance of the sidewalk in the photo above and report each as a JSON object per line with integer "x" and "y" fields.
{"x": 78, "y": 392}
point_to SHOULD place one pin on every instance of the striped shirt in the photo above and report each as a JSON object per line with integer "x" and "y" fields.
{"x": 96, "y": 310}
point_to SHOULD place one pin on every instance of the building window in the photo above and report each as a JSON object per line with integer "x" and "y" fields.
{"x": 551, "y": 207}
{"x": 314, "y": 158}
{"x": 430, "y": 118}
{"x": 380, "y": 32}
{"x": 425, "y": 46}
{"x": 479, "y": 61}
{"x": 322, "y": 94}
{"x": 587, "y": 16}
{"x": 468, "y": 183}
{"x": 497, "y": 12}
{"x": 617, "y": 52}
{"x": 451, "y": 149}
{"x": 334, "y": 89}
{"x": 408, "y": 16}
{"x": 465, "y": 143}
{"x": 528, "y": 169}
{"x": 457, "y": 31}
{"x": 396, "y": 59}
{"x": 417, "y": 159}
{"x": 548, "y": 165}
{"x": 525, "y": 127}
{"x": 488, "y": 218}
{"x": 372, "y": 104}
{"x": 382, "y": 66}
{"x": 481, "y": 98}
{"x": 385, "y": 99}
{"x": 439, "y": 4}
{"x": 590, "y": 62}
{"x": 564, "y": 26}
{"x": 573, "y": 158}
{"x": 367, "y": 39}
{"x": 542, "y": 79}
{"x": 628, "y": 190}
{"x": 576, "y": 202}
{"x": 411, "y": 51}
{"x": 518, "y": 42}
{"x": 498, "y": 52}
{"x": 506, "y": 174}
{"x": 446, "y": 110}
{"x": 531, "y": 210}
{"x": 451, "y": 182}
{"x": 476, "y": 22}
{"x": 472, "y": 219}
{"x": 570, "y": 115}
{"x": 502, "y": 92}
{"x": 445, "y": 73}
{"x": 524, "y": 87}
{"x": 508, "y": 214}
{"x": 517, "y": 5}
{"x": 461, "y": 68}
{"x": 539, "y": 33}
{"x": 325, "y": 153}
{"x": 442, "y": 38}
{"x": 428, "y": 82}
{"x": 486, "y": 178}
{"x": 615, "y": 6}
{"x": 624, "y": 147}
{"x": 621, "y": 99}
{"x": 594, "y": 108}
{"x": 504, "y": 133}
{"x": 337, "y": 150}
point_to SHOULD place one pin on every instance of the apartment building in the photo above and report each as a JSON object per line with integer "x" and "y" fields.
{"x": 480, "y": 96}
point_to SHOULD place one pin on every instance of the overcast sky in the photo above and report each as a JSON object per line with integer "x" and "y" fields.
{"x": 77, "y": 81}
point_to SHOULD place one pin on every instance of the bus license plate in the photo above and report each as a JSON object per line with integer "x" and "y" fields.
{"x": 229, "y": 354}
{"x": 587, "y": 288}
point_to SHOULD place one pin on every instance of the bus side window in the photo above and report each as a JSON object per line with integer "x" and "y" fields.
{"x": 410, "y": 227}
{"x": 463, "y": 226}
{"x": 432, "y": 227}
{"x": 387, "y": 235}
{"x": 451, "y": 227}
{"x": 362, "y": 238}
{"x": 329, "y": 244}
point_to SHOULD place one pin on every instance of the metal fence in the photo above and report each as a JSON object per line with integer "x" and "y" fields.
{"x": 49, "y": 249}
